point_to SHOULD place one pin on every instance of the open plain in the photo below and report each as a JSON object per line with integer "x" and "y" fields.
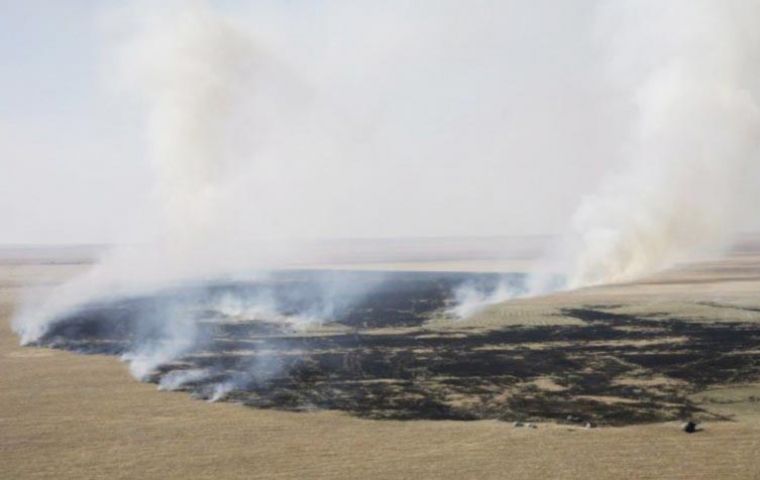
{"x": 64, "y": 415}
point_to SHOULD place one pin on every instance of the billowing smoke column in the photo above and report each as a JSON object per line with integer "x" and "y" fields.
{"x": 694, "y": 142}
{"x": 691, "y": 155}
{"x": 210, "y": 96}
{"x": 191, "y": 68}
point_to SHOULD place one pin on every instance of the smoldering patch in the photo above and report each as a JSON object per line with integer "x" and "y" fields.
{"x": 376, "y": 357}
{"x": 240, "y": 318}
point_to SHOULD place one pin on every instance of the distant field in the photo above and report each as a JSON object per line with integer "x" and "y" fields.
{"x": 64, "y": 415}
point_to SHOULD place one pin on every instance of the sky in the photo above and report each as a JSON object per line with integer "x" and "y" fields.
{"x": 67, "y": 171}
{"x": 360, "y": 119}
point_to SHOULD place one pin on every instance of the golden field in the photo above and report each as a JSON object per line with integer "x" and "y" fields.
{"x": 64, "y": 415}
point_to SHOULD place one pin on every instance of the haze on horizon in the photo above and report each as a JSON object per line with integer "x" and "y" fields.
{"x": 358, "y": 120}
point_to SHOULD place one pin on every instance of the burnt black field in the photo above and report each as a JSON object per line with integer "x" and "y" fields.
{"x": 375, "y": 355}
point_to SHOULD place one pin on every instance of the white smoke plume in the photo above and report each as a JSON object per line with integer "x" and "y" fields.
{"x": 469, "y": 300}
{"x": 192, "y": 68}
{"x": 690, "y": 158}
{"x": 194, "y": 71}
{"x": 693, "y": 145}
{"x": 176, "y": 379}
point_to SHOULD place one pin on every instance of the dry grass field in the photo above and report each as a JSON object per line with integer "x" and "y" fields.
{"x": 64, "y": 415}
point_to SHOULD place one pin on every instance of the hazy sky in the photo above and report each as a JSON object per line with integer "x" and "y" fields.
{"x": 421, "y": 119}
{"x": 68, "y": 171}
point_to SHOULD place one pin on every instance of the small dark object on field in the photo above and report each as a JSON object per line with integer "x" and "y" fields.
{"x": 689, "y": 427}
